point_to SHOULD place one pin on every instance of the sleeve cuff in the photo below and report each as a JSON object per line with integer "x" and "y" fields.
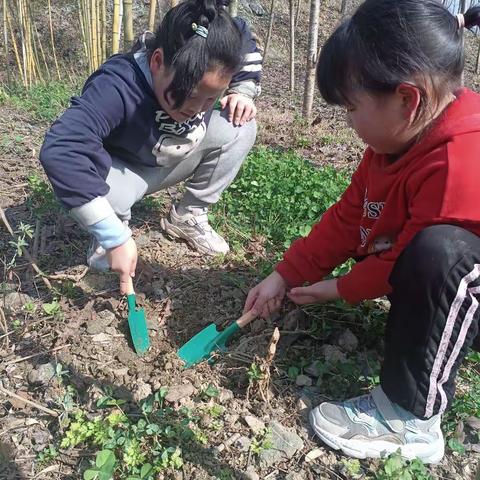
{"x": 292, "y": 277}
{"x": 110, "y": 232}
{"x": 92, "y": 212}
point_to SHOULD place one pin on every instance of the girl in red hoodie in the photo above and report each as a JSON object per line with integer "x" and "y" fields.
{"x": 410, "y": 217}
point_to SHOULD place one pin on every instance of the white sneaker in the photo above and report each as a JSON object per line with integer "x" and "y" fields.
{"x": 196, "y": 230}
{"x": 371, "y": 426}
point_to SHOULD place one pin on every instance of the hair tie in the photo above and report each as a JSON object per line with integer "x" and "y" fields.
{"x": 200, "y": 30}
{"x": 461, "y": 20}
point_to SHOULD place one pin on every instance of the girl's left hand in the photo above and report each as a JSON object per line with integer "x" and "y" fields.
{"x": 242, "y": 109}
{"x": 319, "y": 292}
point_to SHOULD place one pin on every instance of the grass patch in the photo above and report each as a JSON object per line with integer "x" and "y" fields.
{"x": 276, "y": 198}
{"x": 43, "y": 101}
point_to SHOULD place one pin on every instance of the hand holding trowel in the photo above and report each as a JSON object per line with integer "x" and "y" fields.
{"x": 204, "y": 343}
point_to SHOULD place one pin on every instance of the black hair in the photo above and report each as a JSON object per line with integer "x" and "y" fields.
{"x": 189, "y": 54}
{"x": 389, "y": 42}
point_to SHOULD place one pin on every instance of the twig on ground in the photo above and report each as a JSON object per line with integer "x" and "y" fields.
{"x": 28, "y": 402}
{"x": 66, "y": 276}
{"x": 25, "y": 252}
{"x": 18, "y": 360}
{"x": 4, "y": 326}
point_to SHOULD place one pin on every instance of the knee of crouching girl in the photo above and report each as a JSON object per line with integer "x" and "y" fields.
{"x": 395, "y": 65}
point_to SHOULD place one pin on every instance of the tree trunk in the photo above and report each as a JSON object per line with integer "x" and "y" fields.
{"x": 292, "y": 46}
{"x": 270, "y": 28}
{"x": 311, "y": 58}
{"x": 127, "y": 24}
{"x": 477, "y": 66}
{"x": 233, "y": 8}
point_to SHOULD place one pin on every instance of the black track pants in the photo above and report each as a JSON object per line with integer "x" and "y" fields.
{"x": 433, "y": 320}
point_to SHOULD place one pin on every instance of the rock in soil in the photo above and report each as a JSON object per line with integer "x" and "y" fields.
{"x": 303, "y": 381}
{"x": 285, "y": 443}
{"x": 177, "y": 392}
{"x": 256, "y": 425}
{"x": 473, "y": 423}
{"x": 142, "y": 391}
{"x": 242, "y": 443}
{"x": 16, "y": 300}
{"x": 304, "y": 405}
{"x": 296, "y": 319}
{"x": 100, "y": 322}
{"x": 332, "y": 354}
{"x": 42, "y": 374}
{"x": 249, "y": 474}
{"x": 348, "y": 341}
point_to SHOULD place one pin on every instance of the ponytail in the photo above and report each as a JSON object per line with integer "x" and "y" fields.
{"x": 196, "y": 36}
{"x": 472, "y": 17}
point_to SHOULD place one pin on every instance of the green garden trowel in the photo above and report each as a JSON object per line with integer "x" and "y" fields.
{"x": 203, "y": 344}
{"x": 137, "y": 322}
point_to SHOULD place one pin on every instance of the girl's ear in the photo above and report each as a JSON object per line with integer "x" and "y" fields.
{"x": 410, "y": 98}
{"x": 157, "y": 61}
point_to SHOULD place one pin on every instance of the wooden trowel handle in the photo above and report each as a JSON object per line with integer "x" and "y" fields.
{"x": 130, "y": 290}
{"x": 246, "y": 318}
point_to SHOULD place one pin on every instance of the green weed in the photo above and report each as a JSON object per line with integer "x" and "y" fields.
{"x": 23, "y": 233}
{"x": 135, "y": 446}
{"x": 395, "y": 467}
{"x": 43, "y": 101}
{"x": 41, "y": 199}
{"x": 277, "y": 197}
{"x": 262, "y": 441}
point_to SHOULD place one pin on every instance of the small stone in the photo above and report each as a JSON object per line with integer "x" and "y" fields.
{"x": 296, "y": 476}
{"x": 304, "y": 405}
{"x": 120, "y": 372}
{"x": 126, "y": 356}
{"x": 332, "y": 354}
{"x": 249, "y": 474}
{"x": 100, "y": 322}
{"x": 313, "y": 455}
{"x": 256, "y": 425}
{"x": 225, "y": 395}
{"x": 177, "y": 392}
{"x": 40, "y": 438}
{"x": 258, "y": 325}
{"x": 102, "y": 338}
{"x": 232, "y": 439}
{"x": 231, "y": 418}
{"x": 242, "y": 443}
{"x": 315, "y": 369}
{"x": 16, "y": 300}
{"x": 473, "y": 423}
{"x": 348, "y": 341}
{"x": 303, "y": 381}
{"x": 285, "y": 444}
{"x": 143, "y": 390}
{"x": 294, "y": 320}
{"x": 42, "y": 374}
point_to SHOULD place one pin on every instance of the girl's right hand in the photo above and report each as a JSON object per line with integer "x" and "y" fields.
{"x": 123, "y": 260}
{"x": 267, "y": 296}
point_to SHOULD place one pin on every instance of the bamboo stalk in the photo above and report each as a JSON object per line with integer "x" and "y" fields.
{"x": 151, "y": 15}
{"x": 93, "y": 31}
{"x": 127, "y": 23}
{"x": 104, "y": 30}
{"x": 15, "y": 49}
{"x": 116, "y": 27}
{"x": 52, "y": 39}
{"x": 42, "y": 51}
{"x": 26, "y": 76}
{"x": 5, "y": 41}
{"x": 82, "y": 28}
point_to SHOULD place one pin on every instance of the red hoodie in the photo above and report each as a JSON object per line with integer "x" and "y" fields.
{"x": 437, "y": 181}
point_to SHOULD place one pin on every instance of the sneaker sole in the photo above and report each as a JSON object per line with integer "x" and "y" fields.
{"x": 431, "y": 453}
{"x": 176, "y": 233}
